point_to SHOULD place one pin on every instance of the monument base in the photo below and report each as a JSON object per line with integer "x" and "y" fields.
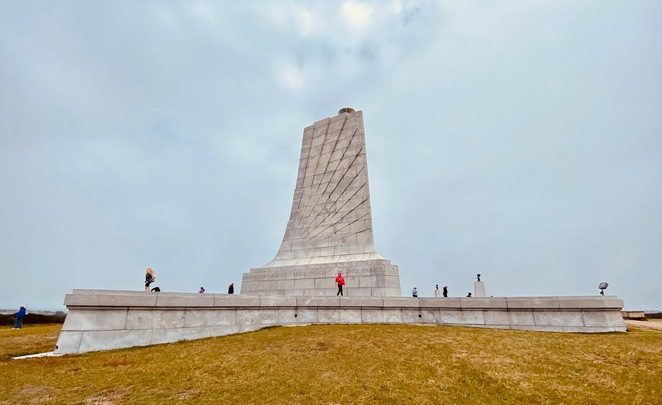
{"x": 363, "y": 278}
{"x": 104, "y": 320}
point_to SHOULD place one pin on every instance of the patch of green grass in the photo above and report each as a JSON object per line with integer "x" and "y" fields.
{"x": 353, "y": 364}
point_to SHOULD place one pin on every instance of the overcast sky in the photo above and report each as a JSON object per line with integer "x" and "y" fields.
{"x": 520, "y": 140}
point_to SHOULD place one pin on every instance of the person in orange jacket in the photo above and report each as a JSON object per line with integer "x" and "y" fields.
{"x": 341, "y": 282}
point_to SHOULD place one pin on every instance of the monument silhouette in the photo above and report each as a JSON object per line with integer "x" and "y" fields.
{"x": 330, "y": 226}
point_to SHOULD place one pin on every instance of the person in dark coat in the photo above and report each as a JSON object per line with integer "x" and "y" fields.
{"x": 231, "y": 288}
{"x": 445, "y": 291}
{"x": 19, "y": 317}
{"x": 150, "y": 277}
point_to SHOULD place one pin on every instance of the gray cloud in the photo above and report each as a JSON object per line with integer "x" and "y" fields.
{"x": 521, "y": 141}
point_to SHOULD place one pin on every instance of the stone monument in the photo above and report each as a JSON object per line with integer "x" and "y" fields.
{"x": 479, "y": 287}
{"x": 330, "y": 230}
{"x": 330, "y": 225}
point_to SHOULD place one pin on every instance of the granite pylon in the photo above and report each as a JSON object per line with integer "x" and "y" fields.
{"x": 330, "y": 226}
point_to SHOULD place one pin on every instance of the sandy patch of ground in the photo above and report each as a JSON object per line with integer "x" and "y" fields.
{"x": 649, "y": 324}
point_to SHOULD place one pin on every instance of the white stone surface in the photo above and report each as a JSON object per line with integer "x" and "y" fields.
{"x": 483, "y": 302}
{"x": 173, "y": 318}
{"x": 363, "y": 278}
{"x": 400, "y": 302}
{"x": 532, "y": 302}
{"x": 430, "y": 316}
{"x": 96, "y": 319}
{"x": 121, "y": 297}
{"x": 112, "y": 339}
{"x": 519, "y": 317}
{"x": 233, "y": 300}
{"x": 361, "y": 302}
{"x": 198, "y": 300}
{"x": 37, "y": 356}
{"x": 590, "y": 302}
{"x": 462, "y": 317}
{"x": 210, "y": 317}
{"x": 558, "y": 318}
{"x": 140, "y": 319}
{"x": 372, "y": 315}
{"x": 601, "y": 318}
{"x": 307, "y": 301}
{"x": 286, "y": 316}
{"x": 89, "y": 327}
{"x": 479, "y": 289}
{"x": 230, "y": 330}
{"x": 392, "y": 315}
{"x": 500, "y": 318}
{"x": 177, "y": 334}
{"x": 306, "y": 315}
{"x": 264, "y": 317}
{"x": 330, "y": 225}
{"x": 69, "y": 341}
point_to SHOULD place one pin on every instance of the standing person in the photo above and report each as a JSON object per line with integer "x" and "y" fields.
{"x": 150, "y": 277}
{"x": 445, "y": 292}
{"x": 231, "y": 288}
{"x": 19, "y": 317}
{"x": 436, "y": 291}
{"x": 202, "y": 290}
{"x": 340, "y": 280}
{"x": 414, "y": 293}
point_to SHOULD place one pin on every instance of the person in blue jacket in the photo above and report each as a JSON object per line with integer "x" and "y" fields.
{"x": 19, "y": 317}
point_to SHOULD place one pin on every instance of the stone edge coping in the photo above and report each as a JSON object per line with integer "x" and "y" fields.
{"x": 330, "y": 265}
{"x": 332, "y": 259}
{"x": 118, "y": 298}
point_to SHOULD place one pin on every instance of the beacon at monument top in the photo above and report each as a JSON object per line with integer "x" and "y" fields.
{"x": 330, "y": 225}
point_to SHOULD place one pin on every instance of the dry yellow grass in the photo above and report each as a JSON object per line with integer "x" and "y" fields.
{"x": 30, "y": 339}
{"x": 349, "y": 364}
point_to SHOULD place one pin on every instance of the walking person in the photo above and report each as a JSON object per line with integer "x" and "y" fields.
{"x": 437, "y": 293}
{"x": 22, "y": 312}
{"x": 340, "y": 280}
{"x": 414, "y": 293}
{"x": 150, "y": 277}
{"x": 231, "y": 288}
{"x": 445, "y": 291}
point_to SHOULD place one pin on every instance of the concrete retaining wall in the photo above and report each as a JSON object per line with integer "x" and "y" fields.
{"x": 103, "y": 319}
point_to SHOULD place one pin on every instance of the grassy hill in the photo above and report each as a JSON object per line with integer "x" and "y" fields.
{"x": 344, "y": 364}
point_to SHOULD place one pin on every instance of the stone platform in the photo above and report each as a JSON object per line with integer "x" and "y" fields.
{"x": 104, "y": 319}
{"x": 377, "y": 278}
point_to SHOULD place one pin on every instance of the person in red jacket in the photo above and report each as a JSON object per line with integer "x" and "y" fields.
{"x": 341, "y": 282}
